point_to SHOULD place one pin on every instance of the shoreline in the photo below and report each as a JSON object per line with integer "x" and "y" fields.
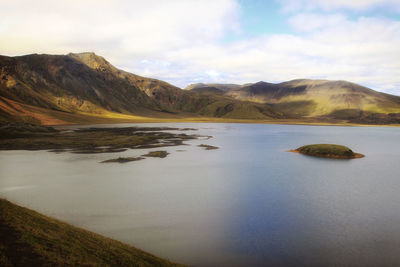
{"x": 232, "y": 121}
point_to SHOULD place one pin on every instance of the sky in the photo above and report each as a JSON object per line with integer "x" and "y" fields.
{"x": 223, "y": 41}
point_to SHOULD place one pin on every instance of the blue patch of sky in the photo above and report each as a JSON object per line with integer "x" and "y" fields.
{"x": 262, "y": 17}
{"x": 257, "y": 18}
{"x": 381, "y": 12}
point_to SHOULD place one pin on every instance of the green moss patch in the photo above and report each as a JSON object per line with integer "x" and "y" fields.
{"x": 328, "y": 151}
{"x": 28, "y": 238}
{"x": 88, "y": 140}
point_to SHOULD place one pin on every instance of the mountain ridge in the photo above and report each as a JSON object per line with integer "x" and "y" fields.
{"x": 85, "y": 84}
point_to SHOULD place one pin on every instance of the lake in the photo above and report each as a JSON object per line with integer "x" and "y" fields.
{"x": 249, "y": 203}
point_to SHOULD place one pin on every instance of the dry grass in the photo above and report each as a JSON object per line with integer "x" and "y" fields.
{"x": 52, "y": 117}
{"x": 28, "y": 238}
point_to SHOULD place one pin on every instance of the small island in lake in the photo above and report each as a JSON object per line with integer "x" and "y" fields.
{"x": 208, "y": 147}
{"x": 122, "y": 160}
{"x": 156, "y": 154}
{"x": 328, "y": 151}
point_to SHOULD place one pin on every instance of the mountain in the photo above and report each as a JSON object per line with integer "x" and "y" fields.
{"x": 208, "y": 89}
{"x": 321, "y": 98}
{"x": 164, "y": 95}
{"x": 220, "y": 86}
{"x": 86, "y": 88}
{"x": 67, "y": 85}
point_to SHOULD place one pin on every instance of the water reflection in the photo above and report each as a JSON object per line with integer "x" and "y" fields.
{"x": 250, "y": 203}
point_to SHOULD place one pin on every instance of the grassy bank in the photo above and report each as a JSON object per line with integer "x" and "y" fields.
{"x": 311, "y": 121}
{"x": 28, "y": 238}
{"x": 43, "y": 116}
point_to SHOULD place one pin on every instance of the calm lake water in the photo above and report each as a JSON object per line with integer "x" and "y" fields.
{"x": 249, "y": 203}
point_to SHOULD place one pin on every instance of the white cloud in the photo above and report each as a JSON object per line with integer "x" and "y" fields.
{"x": 213, "y": 73}
{"x": 306, "y": 22}
{"x": 136, "y": 29}
{"x": 180, "y": 40}
{"x": 366, "y": 51}
{"x": 329, "y": 5}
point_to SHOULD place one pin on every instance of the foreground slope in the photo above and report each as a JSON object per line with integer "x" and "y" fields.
{"x": 28, "y": 238}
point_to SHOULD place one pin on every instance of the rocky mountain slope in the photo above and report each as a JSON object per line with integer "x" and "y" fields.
{"x": 322, "y": 99}
{"x": 54, "y": 89}
{"x": 220, "y": 86}
{"x": 85, "y": 88}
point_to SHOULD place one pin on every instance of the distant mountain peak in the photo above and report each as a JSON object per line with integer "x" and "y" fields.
{"x": 260, "y": 83}
{"x": 92, "y": 60}
{"x": 219, "y": 86}
{"x": 84, "y": 53}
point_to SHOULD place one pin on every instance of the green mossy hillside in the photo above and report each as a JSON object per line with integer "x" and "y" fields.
{"x": 28, "y": 238}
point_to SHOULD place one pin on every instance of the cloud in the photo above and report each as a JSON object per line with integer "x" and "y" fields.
{"x": 329, "y": 5}
{"x": 366, "y": 51}
{"x": 180, "y": 41}
{"x": 136, "y": 28}
{"x": 306, "y": 22}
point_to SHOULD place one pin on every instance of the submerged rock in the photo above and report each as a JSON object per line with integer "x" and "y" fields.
{"x": 122, "y": 159}
{"x": 208, "y": 147}
{"x": 156, "y": 154}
